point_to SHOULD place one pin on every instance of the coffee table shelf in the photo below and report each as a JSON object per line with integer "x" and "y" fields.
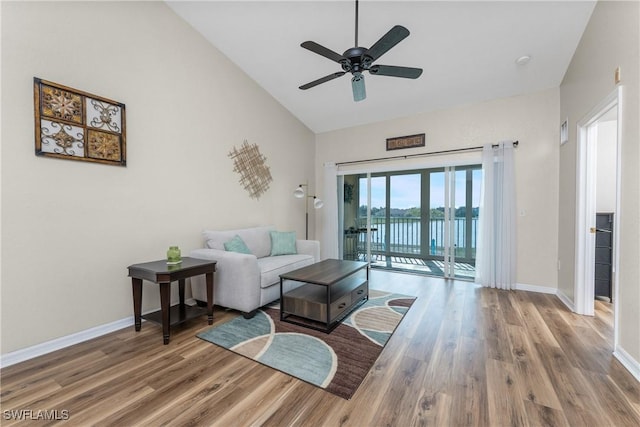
{"x": 331, "y": 290}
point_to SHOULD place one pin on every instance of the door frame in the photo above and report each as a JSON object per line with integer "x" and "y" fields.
{"x": 586, "y": 209}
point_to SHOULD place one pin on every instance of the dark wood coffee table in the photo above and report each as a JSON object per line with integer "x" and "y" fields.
{"x": 332, "y": 289}
{"x": 163, "y": 274}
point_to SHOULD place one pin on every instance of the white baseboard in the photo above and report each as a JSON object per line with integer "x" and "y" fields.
{"x": 628, "y": 362}
{"x": 535, "y": 288}
{"x": 69, "y": 340}
{"x": 62, "y": 342}
{"x": 566, "y": 300}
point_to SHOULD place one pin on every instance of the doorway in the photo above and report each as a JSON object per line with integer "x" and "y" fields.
{"x": 598, "y": 186}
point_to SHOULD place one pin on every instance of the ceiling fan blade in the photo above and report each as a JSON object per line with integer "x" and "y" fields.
{"x": 393, "y": 71}
{"x": 321, "y": 50}
{"x": 322, "y": 80}
{"x": 386, "y": 42}
{"x": 357, "y": 85}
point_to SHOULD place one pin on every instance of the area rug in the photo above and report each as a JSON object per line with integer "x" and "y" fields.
{"x": 337, "y": 362}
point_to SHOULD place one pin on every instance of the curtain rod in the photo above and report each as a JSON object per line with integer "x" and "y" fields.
{"x": 408, "y": 156}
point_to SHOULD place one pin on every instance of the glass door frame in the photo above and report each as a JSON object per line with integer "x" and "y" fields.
{"x": 449, "y": 256}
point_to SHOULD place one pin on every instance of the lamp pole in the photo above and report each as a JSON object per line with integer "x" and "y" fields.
{"x": 300, "y": 193}
{"x": 306, "y": 218}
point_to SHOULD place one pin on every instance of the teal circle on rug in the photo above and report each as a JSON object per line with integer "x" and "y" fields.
{"x": 239, "y": 330}
{"x": 304, "y": 356}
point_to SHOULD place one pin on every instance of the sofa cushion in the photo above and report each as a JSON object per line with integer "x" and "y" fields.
{"x": 236, "y": 245}
{"x": 283, "y": 243}
{"x": 257, "y": 239}
{"x": 272, "y": 267}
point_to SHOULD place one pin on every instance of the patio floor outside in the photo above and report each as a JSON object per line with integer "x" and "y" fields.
{"x": 422, "y": 266}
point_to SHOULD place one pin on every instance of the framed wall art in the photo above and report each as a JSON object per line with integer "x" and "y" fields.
{"x": 72, "y": 124}
{"x": 409, "y": 141}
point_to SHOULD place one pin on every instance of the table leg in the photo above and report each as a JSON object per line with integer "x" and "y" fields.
{"x": 165, "y": 297}
{"x": 136, "y": 284}
{"x": 281, "y": 301}
{"x": 181, "y": 291}
{"x": 209, "y": 279}
{"x": 181, "y": 306}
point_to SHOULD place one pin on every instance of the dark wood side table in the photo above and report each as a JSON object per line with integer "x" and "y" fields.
{"x": 163, "y": 274}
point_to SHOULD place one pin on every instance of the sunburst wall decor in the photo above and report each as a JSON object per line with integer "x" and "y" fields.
{"x": 255, "y": 175}
{"x": 71, "y": 124}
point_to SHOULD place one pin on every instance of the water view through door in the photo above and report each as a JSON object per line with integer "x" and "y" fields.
{"x": 404, "y": 226}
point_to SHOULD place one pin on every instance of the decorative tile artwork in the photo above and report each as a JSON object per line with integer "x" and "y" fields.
{"x": 255, "y": 175}
{"x": 409, "y": 141}
{"x": 71, "y": 124}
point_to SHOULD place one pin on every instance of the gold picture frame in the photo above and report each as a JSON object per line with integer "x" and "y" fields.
{"x": 76, "y": 125}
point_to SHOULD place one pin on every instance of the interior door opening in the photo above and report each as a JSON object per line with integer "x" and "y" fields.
{"x": 598, "y": 202}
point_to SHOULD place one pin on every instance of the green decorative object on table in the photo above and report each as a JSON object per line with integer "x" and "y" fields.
{"x": 174, "y": 255}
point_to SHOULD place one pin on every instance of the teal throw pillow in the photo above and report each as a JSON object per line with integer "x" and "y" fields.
{"x": 237, "y": 245}
{"x": 283, "y": 243}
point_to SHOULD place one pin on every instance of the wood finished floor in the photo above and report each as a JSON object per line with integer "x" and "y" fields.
{"x": 463, "y": 355}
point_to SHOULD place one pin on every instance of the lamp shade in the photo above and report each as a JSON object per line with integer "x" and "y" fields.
{"x": 299, "y": 192}
{"x": 317, "y": 203}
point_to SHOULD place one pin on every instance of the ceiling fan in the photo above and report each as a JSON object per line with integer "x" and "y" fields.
{"x": 357, "y": 59}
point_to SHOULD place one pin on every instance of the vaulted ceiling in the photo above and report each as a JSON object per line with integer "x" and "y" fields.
{"x": 467, "y": 49}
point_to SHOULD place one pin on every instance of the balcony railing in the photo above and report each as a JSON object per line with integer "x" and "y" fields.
{"x": 405, "y": 237}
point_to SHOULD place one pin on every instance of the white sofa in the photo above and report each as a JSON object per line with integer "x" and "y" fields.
{"x": 246, "y": 282}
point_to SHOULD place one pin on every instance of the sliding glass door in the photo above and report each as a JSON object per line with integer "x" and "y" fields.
{"x": 418, "y": 220}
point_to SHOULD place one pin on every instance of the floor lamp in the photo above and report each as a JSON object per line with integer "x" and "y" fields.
{"x": 300, "y": 193}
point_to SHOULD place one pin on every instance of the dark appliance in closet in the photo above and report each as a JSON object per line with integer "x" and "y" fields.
{"x": 604, "y": 255}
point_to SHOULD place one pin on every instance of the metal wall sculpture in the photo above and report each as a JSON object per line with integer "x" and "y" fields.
{"x": 255, "y": 175}
{"x": 71, "y": 124}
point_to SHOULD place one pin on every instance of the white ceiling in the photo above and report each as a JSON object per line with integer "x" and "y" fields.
{"x": 467, "y": 49}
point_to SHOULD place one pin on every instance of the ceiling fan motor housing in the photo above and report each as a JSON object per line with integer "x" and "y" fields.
{"x": 356, "y": 60}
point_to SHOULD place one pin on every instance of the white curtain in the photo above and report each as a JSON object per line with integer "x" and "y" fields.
{"x": 329, "y": 244}
{"x": 496, "y": 245}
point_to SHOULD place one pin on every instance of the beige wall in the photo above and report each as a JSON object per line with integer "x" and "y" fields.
{"x": 70, "y": 229}
{"x": 531, "y": 119}
{"x": 609, "y": 41}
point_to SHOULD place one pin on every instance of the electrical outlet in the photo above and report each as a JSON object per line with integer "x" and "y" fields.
{"x": 559, "y": 265}
{"x": 616, "y": 75}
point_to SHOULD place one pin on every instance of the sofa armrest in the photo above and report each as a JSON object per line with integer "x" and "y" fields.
{"x": 206, "y": 253}
{"x": 248, "y": 263}
{"x": 309, "y": 247}
{"x": 237, "y": 283}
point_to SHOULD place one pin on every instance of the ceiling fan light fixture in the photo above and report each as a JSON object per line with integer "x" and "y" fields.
{"x": 357, "y": 84}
